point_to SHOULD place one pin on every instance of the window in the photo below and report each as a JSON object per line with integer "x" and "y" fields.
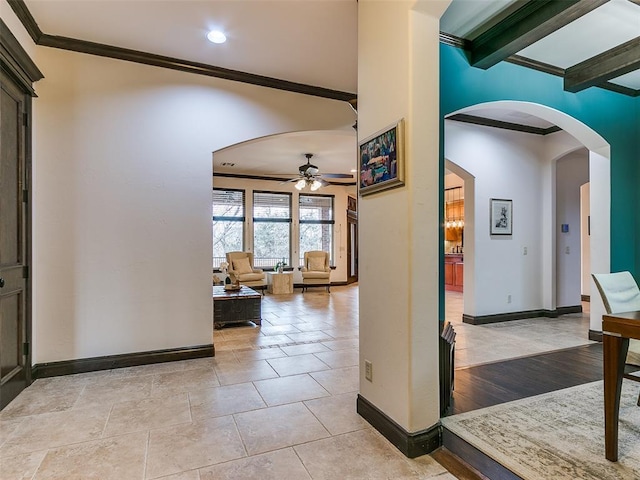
{"x": 316, "y": 224}
{"x": 228, "y": 223}
{"x": 271, "y": 228}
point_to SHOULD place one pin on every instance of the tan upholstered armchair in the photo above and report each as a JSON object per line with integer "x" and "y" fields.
{"x": 241, "y": 270}
{"x": 315, "y": 270}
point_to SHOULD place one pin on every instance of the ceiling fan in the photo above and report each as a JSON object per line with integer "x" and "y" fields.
{"x": 309, "y": 175}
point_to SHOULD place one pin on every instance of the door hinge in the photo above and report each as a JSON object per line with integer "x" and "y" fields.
{"x": 25, "y": 196}
{"x": 25, "y": 349}
{"x": 25, "y": 271}
{"x": 25, "y": 119}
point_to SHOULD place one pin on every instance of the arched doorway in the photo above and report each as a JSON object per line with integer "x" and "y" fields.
{"x": 484, "y": 294}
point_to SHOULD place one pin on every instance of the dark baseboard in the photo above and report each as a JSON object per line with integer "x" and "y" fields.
{"x": 410, "y": 444}
{"x": 474, "y": 457}
{"x": 83, "y": 365}
{"x": 507, "y": 317}
{"x": 585, "y": 298}
{"x": 595, "y": 335}
{"x": 567, "y": 310}
{"x": 333, "y": 284}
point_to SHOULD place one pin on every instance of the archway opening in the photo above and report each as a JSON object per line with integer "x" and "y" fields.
{"x": 515, "y": 276}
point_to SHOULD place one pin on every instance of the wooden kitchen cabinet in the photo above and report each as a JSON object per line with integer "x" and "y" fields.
{"x": 454, "y": 272}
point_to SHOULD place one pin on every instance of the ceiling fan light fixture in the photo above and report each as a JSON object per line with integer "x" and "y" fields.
{"x": 300, "y": 184}
{"x": 315, "y": 185}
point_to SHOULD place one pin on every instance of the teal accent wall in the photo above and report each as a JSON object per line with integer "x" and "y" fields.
{"x": 614, "y": 116}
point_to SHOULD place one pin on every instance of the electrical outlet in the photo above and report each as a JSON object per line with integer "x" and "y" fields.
{"x": 524, "y": 250}
{"x": 368, "y": 370}
{"x": 567, "y": 250}
{"x": 508, "y": 298}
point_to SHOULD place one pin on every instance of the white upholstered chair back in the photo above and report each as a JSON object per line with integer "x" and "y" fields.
{"x": 619, "y": 291}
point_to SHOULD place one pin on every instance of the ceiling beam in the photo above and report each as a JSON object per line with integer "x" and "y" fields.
{"x": 119, "y": 53}
{"x": 539, "y": 66}
{"x": 533, "y": 21}
{"x": 619, "y": 60}
{"x": 489, "y": 122}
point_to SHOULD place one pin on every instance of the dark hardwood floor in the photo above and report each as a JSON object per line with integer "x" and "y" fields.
{"x": 485, "y": 385}
{"x": 494, "y": 383}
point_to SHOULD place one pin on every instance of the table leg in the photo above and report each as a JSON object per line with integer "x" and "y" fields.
{"x": 615, "y": 353}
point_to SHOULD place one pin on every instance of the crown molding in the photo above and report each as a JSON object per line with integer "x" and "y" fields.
{"x": 15, "y": 60}
{"x": 277, "y": 179}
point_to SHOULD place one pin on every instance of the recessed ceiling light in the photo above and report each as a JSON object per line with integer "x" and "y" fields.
{"x": 216, "y": 36}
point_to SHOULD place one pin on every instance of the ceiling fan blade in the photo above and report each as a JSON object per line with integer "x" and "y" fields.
{"x": 308, "y": 169}
{"x": 336, "y": 175}
{"x": 290, "y": 180}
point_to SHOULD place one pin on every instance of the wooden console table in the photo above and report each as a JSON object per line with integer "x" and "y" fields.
{"x": 238, "y": 306}
{"x": 617, "y": 329}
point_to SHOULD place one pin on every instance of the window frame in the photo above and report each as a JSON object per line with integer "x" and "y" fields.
{"x": 258, "y": 220}
{"x": 242, "y": 219}
{"x": 331, "y": 222}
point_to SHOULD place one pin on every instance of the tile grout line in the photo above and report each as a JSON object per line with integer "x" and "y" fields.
{"x": 146, "y": 455}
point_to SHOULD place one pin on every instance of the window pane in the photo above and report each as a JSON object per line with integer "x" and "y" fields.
{"x": 227, "y": 237}
{"x": 271, "y": 228}
{"x": 316, "y": 208}
{"x": 228, "y": 203}
{"x": 316, "y": 224}
{"x": 271, "y": 205}
{"x": 271, "y": 243}
{"x": 315, "y": 237}
{"x": 228, "y": 223}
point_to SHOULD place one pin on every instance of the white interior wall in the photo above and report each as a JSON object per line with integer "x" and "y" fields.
{"x": 399, "y": 227}
{"x": 520, "y": 167}
{"x": 340, "y": 216}
{"x": 122, "y": 197}
{"x": 452, "y": 180}
{"x": 555, "y": 146}
{"x": 600, "y": 191}
{"x": 506, "y": 165}
{"x": 572, "y": 171}
{"x": 585, "y": 239}
{"x": 600, "y": 240}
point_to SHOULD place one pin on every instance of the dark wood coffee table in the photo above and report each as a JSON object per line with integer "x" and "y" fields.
{"x": 239, "y": 306}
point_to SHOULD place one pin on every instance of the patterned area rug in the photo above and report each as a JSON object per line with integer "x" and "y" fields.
{"x": 557, "y": 435}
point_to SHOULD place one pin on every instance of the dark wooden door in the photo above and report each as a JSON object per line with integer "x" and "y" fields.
{"x": 14, "y": 367}
{"x": 352, "y": 241}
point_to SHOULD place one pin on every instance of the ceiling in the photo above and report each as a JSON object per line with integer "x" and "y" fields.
{"x": 588, "y": 42}
{"x": 281, "y": 155}
{"x": 310, "y": 46}
{"x": 305, "y": 41}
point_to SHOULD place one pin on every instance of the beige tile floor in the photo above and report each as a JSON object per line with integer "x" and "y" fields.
{"x": 276, "y": 403}
{"x": 478, "y": 344}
